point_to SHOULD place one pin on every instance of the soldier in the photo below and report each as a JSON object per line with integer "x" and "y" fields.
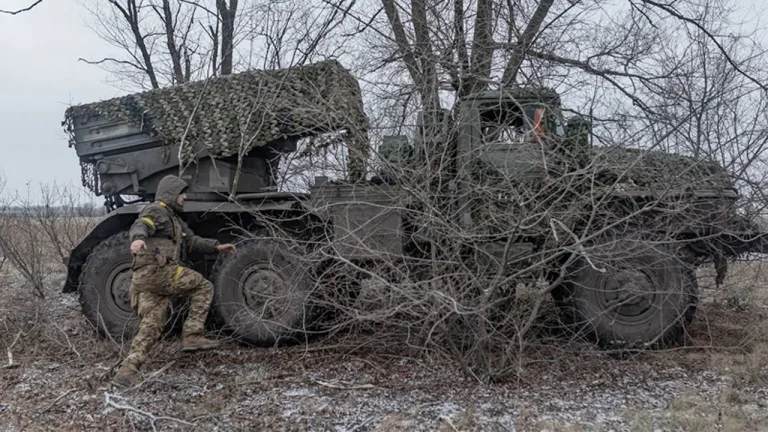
{"x": 156, "y": 238}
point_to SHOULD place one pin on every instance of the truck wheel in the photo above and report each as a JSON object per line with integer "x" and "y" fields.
{"x": 104, "y": 285}
{"x": 646, "y": 294}
{"x": 262, "y": 294}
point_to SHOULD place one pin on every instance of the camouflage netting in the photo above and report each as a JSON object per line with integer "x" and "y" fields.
{"x": 657, "y": 171}
{"x": 252, "y": 107}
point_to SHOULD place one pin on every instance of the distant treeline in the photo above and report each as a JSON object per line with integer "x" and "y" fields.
{"x": 80, "y": 211}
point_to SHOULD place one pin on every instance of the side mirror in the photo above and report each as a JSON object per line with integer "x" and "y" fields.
{"x": 577, "y": 140}
{"x": 396, "y": 152}
{"x": 578, "y": 128}
{"x": 395, "y": 149}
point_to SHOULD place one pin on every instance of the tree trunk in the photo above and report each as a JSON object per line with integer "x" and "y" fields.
{"x": 214, "y": 33}
{"x": 482, "y": 48}
{"x": 170, "y": 32}
{"x": 227, "y": 14}
{"x": 525, "y": 42}
{"x": 131, "y": 15}
{"x": 423, "y": 52}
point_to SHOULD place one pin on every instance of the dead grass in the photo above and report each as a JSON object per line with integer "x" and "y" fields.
{"x": 61, "y": 383}
{"x": 729, "y": 340}
{"x": 730, "y": 411}
{"x": 35, "y": 242}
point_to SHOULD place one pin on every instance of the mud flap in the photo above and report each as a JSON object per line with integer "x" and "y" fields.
{"x": 721, "y": 268}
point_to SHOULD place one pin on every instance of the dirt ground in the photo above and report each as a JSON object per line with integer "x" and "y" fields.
{"x": 59, "y": 381}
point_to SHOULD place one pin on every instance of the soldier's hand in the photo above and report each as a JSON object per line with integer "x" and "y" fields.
{"x": 226, "y": 248}
{"x": 137, "y": 245}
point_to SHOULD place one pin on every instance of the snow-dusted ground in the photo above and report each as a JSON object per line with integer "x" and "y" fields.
{"x": 60, "y": 384}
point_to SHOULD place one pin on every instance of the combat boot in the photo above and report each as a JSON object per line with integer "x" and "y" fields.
{"x": 126, "y": 376}
{"x": 198, "y": 342}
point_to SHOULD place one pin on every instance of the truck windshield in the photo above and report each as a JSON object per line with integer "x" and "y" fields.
{"x": 510, "y": 125}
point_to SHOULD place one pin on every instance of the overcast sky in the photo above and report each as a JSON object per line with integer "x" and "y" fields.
{"x": 41, "y": 75}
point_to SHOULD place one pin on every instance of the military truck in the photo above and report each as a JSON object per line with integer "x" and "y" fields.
{"x": 226, "y": 137}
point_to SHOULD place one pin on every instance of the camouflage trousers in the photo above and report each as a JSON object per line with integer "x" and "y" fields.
{"x": 151, "y": 289}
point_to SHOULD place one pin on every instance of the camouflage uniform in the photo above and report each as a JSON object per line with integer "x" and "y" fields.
{"x": 158, "y": 274}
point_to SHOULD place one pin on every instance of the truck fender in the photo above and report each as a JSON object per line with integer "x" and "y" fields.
{"x": 114, "y": 222}
{"x": 122, "y": 218}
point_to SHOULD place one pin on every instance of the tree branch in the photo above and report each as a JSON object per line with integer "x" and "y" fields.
{"x": 525, "y": 42}
{"x": 424, "y": 55}
{"x": 167, "y": 18}
{"x": 673, "y": 12}
{"x": 460, "y": 37}
{"x": 198, "y": 5}
{"x": 482, "y": 49}
{"x": 401, "y": 40}
{"x": 605, "y": 74}
{"x": 16, "y": 12}
{"x": 113, "y": 60}
{"x": 131, "y": 15}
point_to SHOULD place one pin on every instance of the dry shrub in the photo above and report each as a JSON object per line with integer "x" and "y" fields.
{"x": 37, "y": 234}
{"x": 452, "y": 298}
{"x": 25, "y": 245}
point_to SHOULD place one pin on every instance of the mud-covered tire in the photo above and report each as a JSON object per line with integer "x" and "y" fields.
{"x": 105, "y": 282}
{"x": 263, "y": 294}
{"x": 646, "y": 297}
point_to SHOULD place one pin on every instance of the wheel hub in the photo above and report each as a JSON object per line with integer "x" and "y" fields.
{"x": 265, "y": 291}
{"x": 629, "y": 293}
{"x": 119, "y": 285}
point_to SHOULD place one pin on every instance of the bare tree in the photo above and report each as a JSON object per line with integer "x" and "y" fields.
{"x": 169, "y": 43}
{"x": 121, "y": 25}
{"x": 178, "y": 51}
{"x": 161, "y": 41}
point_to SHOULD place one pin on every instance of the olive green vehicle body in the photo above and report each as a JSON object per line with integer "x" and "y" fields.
{"x": 125, "y": 152}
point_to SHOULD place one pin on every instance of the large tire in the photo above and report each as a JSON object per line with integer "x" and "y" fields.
{"x": 262, "y": 294}
{"x": 646, "y": 296}
{"x": 104, "y": 285}
{"x": 105, "y": 282}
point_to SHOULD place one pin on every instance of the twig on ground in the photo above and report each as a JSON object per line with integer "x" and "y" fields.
{"x": 361, "y": 424}
{"x": 449, "y": 422}
{"x": 346, "y": 386}
{"x": 72, "y": 347}
{"x": 163, "y": 369}
{"x": 378, "y": 368}
{"x": 110, "y": 370}
{"x": 156, "y": 373}
{"x": 270, "y": 379}
{"x": 56, "y": 401}
{"x": 152, "y": 418}
{"x": 11, "y": 364}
